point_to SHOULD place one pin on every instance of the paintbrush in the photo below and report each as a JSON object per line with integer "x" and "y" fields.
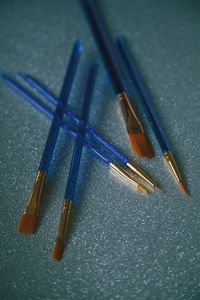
{"x": 29, "y": 219}
{"x": 74, "y": 167}
{"x": 35, "y": 102}
{"x": 139, "y": 140}
{"x": 146, "y": 102}
{"x": 102, "y": 141}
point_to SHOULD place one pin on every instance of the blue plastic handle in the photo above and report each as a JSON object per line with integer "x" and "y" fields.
{"x": 60, "y": 108}
{"x": 40, "y": 106}
{"x": 102, "y": 141}
{"x": 76, "y": 157}
{"x": 106, "y": 47}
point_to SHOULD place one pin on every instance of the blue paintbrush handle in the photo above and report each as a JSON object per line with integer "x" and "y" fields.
{"x": 76, "y": 157}
{"x": 21, "y": 91}
{"x": 107, "y": 160}
{"x": 105, "y": 45}
{"x": 60, "y": 108}
{"x": 88, "y": 96}
{"x": 144, "y": 95}
{"x": 107, "y": 145}
{"x": 35, "y": 102}
{"x": 45, "y": 93}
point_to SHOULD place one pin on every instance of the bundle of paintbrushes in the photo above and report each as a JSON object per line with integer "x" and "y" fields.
{"x": 114, "y": 54}
{"x": 122, "y": 165}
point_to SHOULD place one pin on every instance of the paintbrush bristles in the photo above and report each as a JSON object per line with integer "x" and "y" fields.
{"x": 27, "y": 224}
{"x": 142, "y": 189}
{"x": 57, "y": 251}
{"x": 28, "y": 220}
{"x": 62, "y": 230}
{"x": 141, "y": 145}
{"x": 182, "y": 187}
{"x": 139, "y": 141}
{"x": 172, "y": 164}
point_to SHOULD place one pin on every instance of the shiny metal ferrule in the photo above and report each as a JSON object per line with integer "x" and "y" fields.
{"x": 133, "y": 125}
{"x": 171, "y": 162}
{"x": 123, "y": 173}
{"x": 33, "y": 204}
{"x": 140, "y": 173}
{"x": 64, "y": 222}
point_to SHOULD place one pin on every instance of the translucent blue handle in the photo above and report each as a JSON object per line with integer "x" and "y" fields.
{"x": 60, "y": 108}
{"x": 97, "y": 153}
{"x": 102, "y": 141}
{"x": 35, "y": 102}
{"x": 144, "y": 95}
{"x": 21, "y": 91}
{"x": 76, "y": 157}
{"x": 105, "y": 45}
{"x": 107, "y": 145}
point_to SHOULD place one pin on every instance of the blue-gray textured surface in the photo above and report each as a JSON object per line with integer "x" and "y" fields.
{"x": 121, "y": 245}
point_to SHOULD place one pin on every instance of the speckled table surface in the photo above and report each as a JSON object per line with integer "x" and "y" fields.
{"x": 122, "y": 245}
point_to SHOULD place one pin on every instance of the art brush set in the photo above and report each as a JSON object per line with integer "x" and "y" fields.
{"x": 114, "y": 55}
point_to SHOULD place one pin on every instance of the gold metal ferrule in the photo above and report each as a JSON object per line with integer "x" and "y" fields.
{"x": 124, "y": 174}
{"x": 64, "y": 222}
{"x": 171, "y": 162}
{"x": 133, "y": 125}
{"x": 140, "y": 173}
{"x": 34, "y": 200}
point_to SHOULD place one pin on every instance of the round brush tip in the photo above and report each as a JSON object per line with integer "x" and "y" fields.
{"x": 183, "y": 188}
{"x": 57, "y": 252}
{"x": 142, "y": 189}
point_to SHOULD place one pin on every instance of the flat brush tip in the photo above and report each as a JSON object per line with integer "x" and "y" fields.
{"x": 57, "y": 252}
{"x": 182, "y": 187}
{"x": 141, "y": 145}
{"x": 27, "y": 224}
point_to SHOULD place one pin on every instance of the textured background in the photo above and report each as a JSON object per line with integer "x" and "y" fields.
{"x": 122, "y": 245}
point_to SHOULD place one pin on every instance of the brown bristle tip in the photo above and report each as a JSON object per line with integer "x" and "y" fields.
{"x": 57, "y": 252}
{"x": 27, "y": 224}
{"x": 182, "y": 187}
{"x": 141, "y": 145}
{"x": 142, "y": 189}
